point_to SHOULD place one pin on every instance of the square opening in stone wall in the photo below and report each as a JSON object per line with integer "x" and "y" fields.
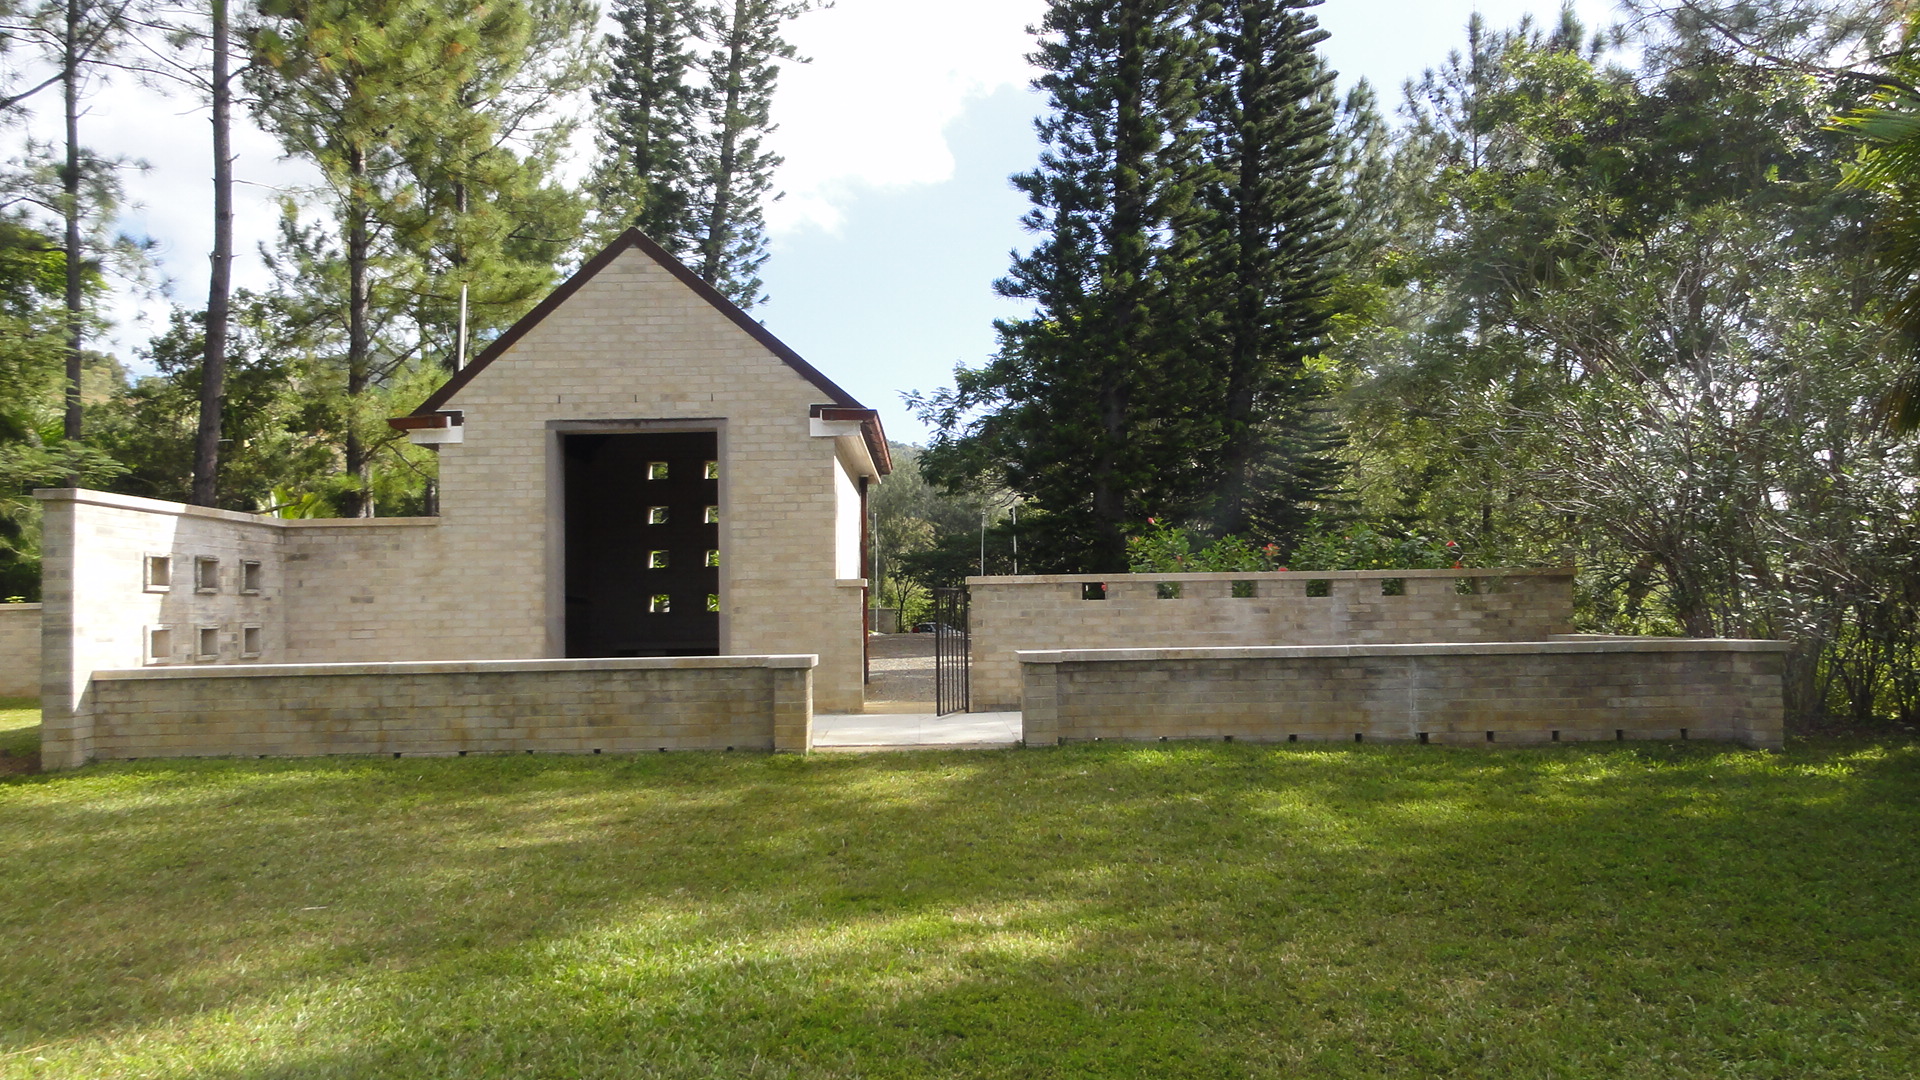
{"x": 713, "y": 602}
{"x": 159, "y": 644}
{"x": 1320, "y": 587}
{"x": 206, "y": 574}
{"x": 656, "y": 515}
{"x": 713, "y": 556}
{"x": 1167, "y": 590}
{"x": 656, "y": 560}
{"x": 250, "y": 638}
{"x": 158, "y": 573}
{"x": 661, "y": 604}
{"x": 250, "y": 577}
{"x": 1093, "y": 590}
{"x": 207, "y": 643}
{"x": 656, "y": 470}
{"x": 1466, "y": 586}
{"x": 712, "y": 470}
{"x": 1246, "y": 590}
{"x": 712, "y": 516}
{"x": 1393, "y": 586}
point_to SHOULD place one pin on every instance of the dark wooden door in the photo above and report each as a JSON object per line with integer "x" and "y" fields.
{"x": 642, "y": 544}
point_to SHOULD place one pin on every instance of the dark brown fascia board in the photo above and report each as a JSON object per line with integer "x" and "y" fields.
{"x": 634, "y": 238}
{"x": 446, "y": 418}
{"x": 870, "y": 429}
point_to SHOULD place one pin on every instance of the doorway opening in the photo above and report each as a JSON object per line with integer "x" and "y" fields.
{"x": 642, "y": 543}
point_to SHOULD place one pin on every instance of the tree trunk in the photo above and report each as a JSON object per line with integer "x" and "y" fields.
{"x": 70, "y": 211}
{"x": 359, "y": 300}
{"x": 213, "y": 367}
{"x": 720, "y": 214}
{"x": 1127, "y": 243}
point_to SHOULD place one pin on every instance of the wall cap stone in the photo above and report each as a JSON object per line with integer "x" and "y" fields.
{"x": 1477, "y": 648}
{"x": 1281, "y": 575}
{"x": 465, "y": 667}
{"x": 4, "y": 608}
{"x": 89, "y": 497}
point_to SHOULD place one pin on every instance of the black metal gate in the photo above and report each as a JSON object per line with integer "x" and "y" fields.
{"x": 951, "y": 644}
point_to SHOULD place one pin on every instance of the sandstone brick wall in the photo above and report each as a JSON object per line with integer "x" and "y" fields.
{"x": 99, "y": 608}
{"x": 19, "y": 650}
{"x": 374, "y": 589}
{"x": 1011, "y": 614}
{"x": 546, "y": 706}
{"x": 1531, "y": 692}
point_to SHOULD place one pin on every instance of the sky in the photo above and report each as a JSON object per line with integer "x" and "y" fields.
{"x": 898, "y": 137}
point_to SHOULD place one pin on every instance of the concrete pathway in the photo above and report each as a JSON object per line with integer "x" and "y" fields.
{"x": 888, "y": 731}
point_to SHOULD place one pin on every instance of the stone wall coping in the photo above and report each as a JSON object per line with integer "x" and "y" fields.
{"x": 1475, "y": 648}
{"x": 4, "y": 608}
{"x": 464, "y": 667}
{"x": 357, "y": 523}
{"x": 89, "y": 497}
{"x": 1281, "y": 575}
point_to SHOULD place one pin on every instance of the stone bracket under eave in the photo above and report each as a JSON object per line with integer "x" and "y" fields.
{"x": 432, "y": 429}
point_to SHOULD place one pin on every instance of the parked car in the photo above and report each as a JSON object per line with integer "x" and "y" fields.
{"x": 932, "y": 628}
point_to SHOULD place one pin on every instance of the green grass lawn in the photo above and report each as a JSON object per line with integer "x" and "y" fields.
{"x": 1113, "y": 911}
{"x": 19, "y": 733}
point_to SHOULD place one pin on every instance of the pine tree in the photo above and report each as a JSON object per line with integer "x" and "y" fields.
{"x": 487, "y": 219}
{"x": 644, "y": 178}
{"x": 1270, "y": 205}
{"x": 1085, "y": 411}
{"x": 358, "y": 87}
{"x": 77, "y": 39}
{"x": 733, "y": 173}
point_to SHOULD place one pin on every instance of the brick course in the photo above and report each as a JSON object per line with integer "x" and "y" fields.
{"x": 19, "y": 650}
{"x": 1521, "y": 692}
{"x": 544, "y": 706}
{"x": 1011, "y": 614}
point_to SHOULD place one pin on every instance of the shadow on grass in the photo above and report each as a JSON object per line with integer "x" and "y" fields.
{"x": 1200, "y": 910}
{"x": 19, "y": 736}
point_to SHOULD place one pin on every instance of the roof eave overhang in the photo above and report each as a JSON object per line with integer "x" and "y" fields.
{"x": 872, "y": 437}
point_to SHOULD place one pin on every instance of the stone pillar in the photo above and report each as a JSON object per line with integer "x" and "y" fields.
{"x": 66, "y": 725}
{"x": 1039, "y": 698}
{"x": 793, "y": 706}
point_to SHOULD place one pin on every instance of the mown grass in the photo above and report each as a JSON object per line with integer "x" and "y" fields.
{"x": 1112, "y": 911}
{"x": 19, "y": 734}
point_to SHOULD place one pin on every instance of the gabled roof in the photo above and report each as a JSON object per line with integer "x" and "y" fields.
{"x": 633, "y": 238}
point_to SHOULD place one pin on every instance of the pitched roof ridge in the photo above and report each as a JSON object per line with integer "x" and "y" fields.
{"x": 633, "y": 238}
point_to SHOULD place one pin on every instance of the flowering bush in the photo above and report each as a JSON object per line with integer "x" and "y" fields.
{"x": 1165, "y": 549}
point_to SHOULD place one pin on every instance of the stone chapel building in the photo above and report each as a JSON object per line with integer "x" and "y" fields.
{"x": 636, "y": 468}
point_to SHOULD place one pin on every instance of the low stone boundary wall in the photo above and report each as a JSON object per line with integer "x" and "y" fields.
{"x": 19, "y": 650}
{"x": 1503, "y": 693}
{"x": 455, "y": 707}
{"x": 1230, "y": 610}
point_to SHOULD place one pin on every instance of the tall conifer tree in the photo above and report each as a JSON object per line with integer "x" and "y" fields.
{"x": 647, "y": 129}
{"x": 733, "y": 171}
{"x": 1270, "y": 206}
{"x": 1084, "y": 410}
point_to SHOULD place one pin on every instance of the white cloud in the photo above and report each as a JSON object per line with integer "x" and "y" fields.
{"x": 887, "y": 77}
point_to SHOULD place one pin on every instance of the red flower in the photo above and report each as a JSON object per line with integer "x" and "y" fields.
{"x": 1452, "y": 544}
{"x": 1283, "y": 568}
{"x": 1456, "y": 564}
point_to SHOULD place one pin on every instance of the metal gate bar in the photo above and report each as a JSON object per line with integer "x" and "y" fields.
{"x": 952, "y": 641}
